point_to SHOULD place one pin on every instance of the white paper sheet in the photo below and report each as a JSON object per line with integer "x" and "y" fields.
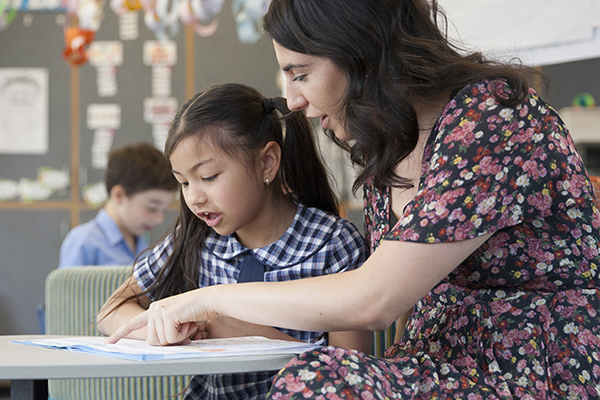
{"x": 139, "y": 350}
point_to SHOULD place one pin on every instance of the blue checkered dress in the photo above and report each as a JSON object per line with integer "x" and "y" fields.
{"x": 316, "y": 243}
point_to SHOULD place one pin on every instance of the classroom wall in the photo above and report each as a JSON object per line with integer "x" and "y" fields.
{"x": 30, "y": 235}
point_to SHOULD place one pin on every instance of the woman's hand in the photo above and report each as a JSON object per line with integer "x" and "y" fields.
{"x": 169, "y": 321}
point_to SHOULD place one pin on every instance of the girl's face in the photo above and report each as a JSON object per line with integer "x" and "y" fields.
{"x": 315, "y": 85}
{"x": 221, "y": 190}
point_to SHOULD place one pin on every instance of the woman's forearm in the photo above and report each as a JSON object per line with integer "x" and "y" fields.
{"x": 371, "y": 298}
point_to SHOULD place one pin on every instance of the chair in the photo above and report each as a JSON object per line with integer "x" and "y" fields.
{"x": 73, "y": 298}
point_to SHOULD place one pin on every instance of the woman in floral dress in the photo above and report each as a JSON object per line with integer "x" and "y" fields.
{"x": 478, "y": 208}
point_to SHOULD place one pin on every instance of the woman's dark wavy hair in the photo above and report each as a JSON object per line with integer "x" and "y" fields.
{"x": 238, "y": 120}
{"x": 391, "y": 51}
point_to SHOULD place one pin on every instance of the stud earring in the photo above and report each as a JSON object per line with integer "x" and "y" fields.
{"x": 267, "y": 181}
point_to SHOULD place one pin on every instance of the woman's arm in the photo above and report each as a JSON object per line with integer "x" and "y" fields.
{"x": 353, "y": 340}
{"x": 372, "y": 297}
{"x": 225, "y": 327}
{"x": 110, "y": 319}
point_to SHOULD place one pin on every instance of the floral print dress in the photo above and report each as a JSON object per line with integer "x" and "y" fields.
{"x": 519, "y": 317}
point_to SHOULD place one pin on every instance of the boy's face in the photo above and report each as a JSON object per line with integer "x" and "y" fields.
{"x": 143, "y": 211}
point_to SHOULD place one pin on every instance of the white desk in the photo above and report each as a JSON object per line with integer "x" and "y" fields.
{"x": 29, "y": 367}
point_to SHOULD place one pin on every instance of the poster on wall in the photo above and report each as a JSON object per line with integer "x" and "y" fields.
{"x": 23, "y": 111}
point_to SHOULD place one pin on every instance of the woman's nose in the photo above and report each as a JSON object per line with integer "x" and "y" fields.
{"x": 295, "y": 100}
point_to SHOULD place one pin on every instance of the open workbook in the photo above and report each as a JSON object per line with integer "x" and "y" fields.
{"x": 131, "y": 349}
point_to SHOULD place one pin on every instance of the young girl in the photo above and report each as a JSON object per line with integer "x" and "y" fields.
{"x": 255, "y": 207}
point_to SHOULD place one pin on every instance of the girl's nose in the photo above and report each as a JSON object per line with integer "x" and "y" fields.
{"x": 196, "y": 196}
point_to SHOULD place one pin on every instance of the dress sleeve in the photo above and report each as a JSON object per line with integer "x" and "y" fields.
{"x": 487, "y": 167}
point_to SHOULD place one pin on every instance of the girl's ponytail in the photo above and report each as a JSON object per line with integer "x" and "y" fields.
{"x": 303, "y": 172}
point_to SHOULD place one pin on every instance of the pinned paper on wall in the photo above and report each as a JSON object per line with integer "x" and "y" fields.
{"x": 101, "y": 146}
{"x": 160, "y": 52}
{"x": 160, "y": 112}
{"x": 129, "y": 25}
{"x": 106, "y": 56}
{"x": 23, "y": 111}
{"x": 161, "y": 56}
{"x": 107, "y": 116}
{"x": 105, "y": 119}
{"x": 161, "y": 81}
{"x": 159, "y": 134}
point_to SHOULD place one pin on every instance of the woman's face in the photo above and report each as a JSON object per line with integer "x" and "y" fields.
{"x": 315, "y": 85}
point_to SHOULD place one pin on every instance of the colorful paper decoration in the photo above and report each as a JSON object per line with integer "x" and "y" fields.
{"x": 78, "y": 37}
{"x": 248, "y": 17}
{"x": 7, "y": 13}
{"x": 202, "y": 15}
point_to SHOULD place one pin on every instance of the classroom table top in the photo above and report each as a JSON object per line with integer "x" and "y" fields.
{"x": 23, "y": 362}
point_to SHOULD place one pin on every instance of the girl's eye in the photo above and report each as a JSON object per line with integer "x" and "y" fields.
{"x": 210, "y": 178}
{"x": 299, "y": 78}
{"x": 183, "y": 184}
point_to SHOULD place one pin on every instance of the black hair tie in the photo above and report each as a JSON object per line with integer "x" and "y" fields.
{"x": 268, "y": 105}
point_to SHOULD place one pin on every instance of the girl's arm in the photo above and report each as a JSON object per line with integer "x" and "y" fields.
{"x": 225, "y": 327}
{"x": 401, "y": 325}
{"x": 390, "y": 282}
{"x": 110, "y": 319}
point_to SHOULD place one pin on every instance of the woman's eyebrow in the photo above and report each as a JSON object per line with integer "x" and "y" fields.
{"x": 292, "y": 66}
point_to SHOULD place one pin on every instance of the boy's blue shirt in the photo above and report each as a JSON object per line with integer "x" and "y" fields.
{"x": 98, "y": 242}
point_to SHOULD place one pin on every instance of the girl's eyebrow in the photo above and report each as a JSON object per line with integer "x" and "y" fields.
{"x": 293, "y": 66}
{"x": 196, "y": 166}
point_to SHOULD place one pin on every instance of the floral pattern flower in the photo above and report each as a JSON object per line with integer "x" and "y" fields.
{"x": 519, "y": 317}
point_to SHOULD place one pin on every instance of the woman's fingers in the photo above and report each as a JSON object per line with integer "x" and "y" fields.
{"x": 167, "y": 321}
{"x": 135, "y": 323}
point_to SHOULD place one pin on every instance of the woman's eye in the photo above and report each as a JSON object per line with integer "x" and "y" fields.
{"x": 299, "y": 78}
{"x": 183, "y": 184}
{"x": 210, "y": 178}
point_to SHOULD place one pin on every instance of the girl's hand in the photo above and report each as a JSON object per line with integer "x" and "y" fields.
{"x": 168, "y": 321}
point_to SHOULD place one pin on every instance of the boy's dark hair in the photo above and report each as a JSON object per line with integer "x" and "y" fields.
{"x": 139, "y": 167}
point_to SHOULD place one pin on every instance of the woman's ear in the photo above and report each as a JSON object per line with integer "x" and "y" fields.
{"x": 270, "y": 158}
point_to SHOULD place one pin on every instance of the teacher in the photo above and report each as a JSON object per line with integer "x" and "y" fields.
{"x": 478, "y": 208}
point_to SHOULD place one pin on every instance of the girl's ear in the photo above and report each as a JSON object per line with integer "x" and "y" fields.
{"x": 270, "y": 158}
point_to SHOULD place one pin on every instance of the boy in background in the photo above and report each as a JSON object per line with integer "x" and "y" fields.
{"x": 140, "y": 187}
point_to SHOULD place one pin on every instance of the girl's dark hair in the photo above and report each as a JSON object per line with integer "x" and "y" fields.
{"x": 240, "y": 121}
{"x": 391, "y": 52}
